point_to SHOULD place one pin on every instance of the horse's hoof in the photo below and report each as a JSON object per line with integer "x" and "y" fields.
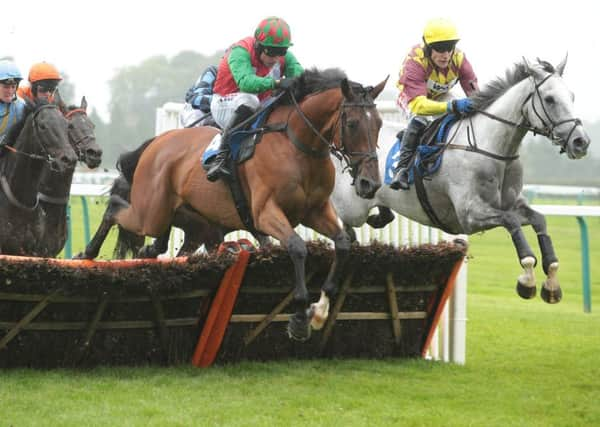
{"x": 147, "y": 252}
{"x": 525, "y": 292}
{"x": 298, "y": 327}
{"x": 460, "y": 242}
{"x": 316, "y": 319}
{"x": 551, "y": 296}
{"x": 82, "y": 255}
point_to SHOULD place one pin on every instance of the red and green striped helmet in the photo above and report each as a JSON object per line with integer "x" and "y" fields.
{"x": 273, "y": 32}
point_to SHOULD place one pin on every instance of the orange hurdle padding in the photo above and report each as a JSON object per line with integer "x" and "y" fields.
{"x": 222, "y": 305}
{"x": 89, "y": 263}
{"x": 440, "y": 308}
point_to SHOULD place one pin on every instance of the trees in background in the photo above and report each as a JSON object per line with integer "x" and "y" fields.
{"x": 135, "y": 93}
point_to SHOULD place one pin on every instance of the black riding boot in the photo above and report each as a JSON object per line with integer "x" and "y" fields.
{"x": 218, "y": 168}
{"x": 410, "y": 141}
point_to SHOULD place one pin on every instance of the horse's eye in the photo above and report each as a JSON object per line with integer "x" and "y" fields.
{"x": 549, "y": 99}
{"x": 352, "y": 124}
{"x": 42, "y": 126}
{"x": 71, "y": 126}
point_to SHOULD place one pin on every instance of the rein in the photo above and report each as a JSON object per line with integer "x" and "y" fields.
{"x": 11, "y": 197}
{"x": 547, "y": 130}
{"x": 47, "y": 158}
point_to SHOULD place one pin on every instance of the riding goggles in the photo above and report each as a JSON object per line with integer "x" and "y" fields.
{"x": 46, "y": 88}
{"x": 445, "y": 46}
{"x": 9, "y": 82}
{"x": 274, "y": 51}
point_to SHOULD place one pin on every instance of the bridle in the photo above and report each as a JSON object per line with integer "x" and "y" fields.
{"x": 548, "y": 124}
{"x": 76, "y": 144}
{"x": 330, "y": 146}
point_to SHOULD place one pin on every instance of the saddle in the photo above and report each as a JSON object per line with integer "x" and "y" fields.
{"x": 428, "y": 157}
{"x": 243, "y": 140}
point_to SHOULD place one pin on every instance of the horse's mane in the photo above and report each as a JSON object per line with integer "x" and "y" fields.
{"x": 15, "y": 130}
{"x": 314, "y": 81}
{"x": 128, "y": 161}
{"x": 498, "y": 87}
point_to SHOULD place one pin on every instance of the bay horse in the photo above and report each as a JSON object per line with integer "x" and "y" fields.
{"x": 39, "y": 139}
{"x": 198, "y": 231}
{"x": 480, "y": 181}
{"x": 287, "y": 182}
{"x": 55, "y": 187}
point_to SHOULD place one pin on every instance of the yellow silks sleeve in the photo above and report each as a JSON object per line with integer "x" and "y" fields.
{"x": 423, "y": 106}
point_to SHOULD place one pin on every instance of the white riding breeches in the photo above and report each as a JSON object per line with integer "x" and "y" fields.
{"x": 223, "y": 107}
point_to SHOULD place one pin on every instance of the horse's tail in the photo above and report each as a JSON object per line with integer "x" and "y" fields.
{"x": 127, "y": 242}
{"x": 128, "y": 161}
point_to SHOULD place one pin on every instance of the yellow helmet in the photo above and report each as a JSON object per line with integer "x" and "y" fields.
{"x": 439, "y": 30}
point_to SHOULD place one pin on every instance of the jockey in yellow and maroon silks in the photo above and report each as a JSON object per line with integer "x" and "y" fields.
{"x": 247, "y": 73}
{"x": 428, "y": 73}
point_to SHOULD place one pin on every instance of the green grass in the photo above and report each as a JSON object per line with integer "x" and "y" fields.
{"x": 528, "y": 364}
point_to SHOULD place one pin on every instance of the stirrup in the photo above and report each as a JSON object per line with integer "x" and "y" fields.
{"x": 400, "y": 181}
{"x": 218, "y": 169}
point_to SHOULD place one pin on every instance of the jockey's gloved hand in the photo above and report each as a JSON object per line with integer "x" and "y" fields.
{"x": 284, "y": 84}
{"x": 460, "y": 106}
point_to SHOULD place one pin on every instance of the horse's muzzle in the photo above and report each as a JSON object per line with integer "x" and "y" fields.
{"x": 578, "y": 147}
{"x": 366, "y": 187}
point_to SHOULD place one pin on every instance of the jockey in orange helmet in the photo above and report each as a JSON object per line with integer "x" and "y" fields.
{"x": 43, "y": 79}
{"x": 247, "y": 73}
{"x": 428, "y": 73}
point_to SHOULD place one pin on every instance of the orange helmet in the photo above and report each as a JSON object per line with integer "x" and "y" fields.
{"x": 43, "y": 71}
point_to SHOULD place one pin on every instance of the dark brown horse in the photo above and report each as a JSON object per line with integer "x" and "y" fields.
{"x": 287, "y": 182}
{"x": 38, "y": 140}
{"x": 55, "y": 186}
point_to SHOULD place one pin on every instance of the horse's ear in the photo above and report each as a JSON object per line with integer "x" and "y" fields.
{"x": 346, "y": 89}
{"x": 83, "y": 103}
{"x": 535, "y": 72}
{"x": 59, "y": 102}
{"x": 375, "y": 91}
{"x": 560, "y": 68}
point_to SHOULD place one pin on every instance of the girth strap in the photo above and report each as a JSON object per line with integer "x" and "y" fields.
{"x": 424, "y": 200}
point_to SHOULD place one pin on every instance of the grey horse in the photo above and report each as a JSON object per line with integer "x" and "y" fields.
{"x": 478, "y": 185}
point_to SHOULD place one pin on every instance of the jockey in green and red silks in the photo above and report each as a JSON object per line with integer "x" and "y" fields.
{"x": 428, "y": 73}
{"x": 247, "y": 73}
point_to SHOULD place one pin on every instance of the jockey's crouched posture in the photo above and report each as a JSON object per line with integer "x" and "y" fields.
{"x": 247, "y": 73}
{"x": 428, "y": 73}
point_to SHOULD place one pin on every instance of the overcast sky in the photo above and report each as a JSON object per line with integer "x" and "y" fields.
{"x": 92, "y": 40}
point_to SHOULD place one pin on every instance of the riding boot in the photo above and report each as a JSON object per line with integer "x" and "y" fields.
{"x": 218, "y": 168}
{"x": 410, "y": 141}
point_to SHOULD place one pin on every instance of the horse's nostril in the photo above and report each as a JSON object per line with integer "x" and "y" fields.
{"x": 581, "y": 143}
